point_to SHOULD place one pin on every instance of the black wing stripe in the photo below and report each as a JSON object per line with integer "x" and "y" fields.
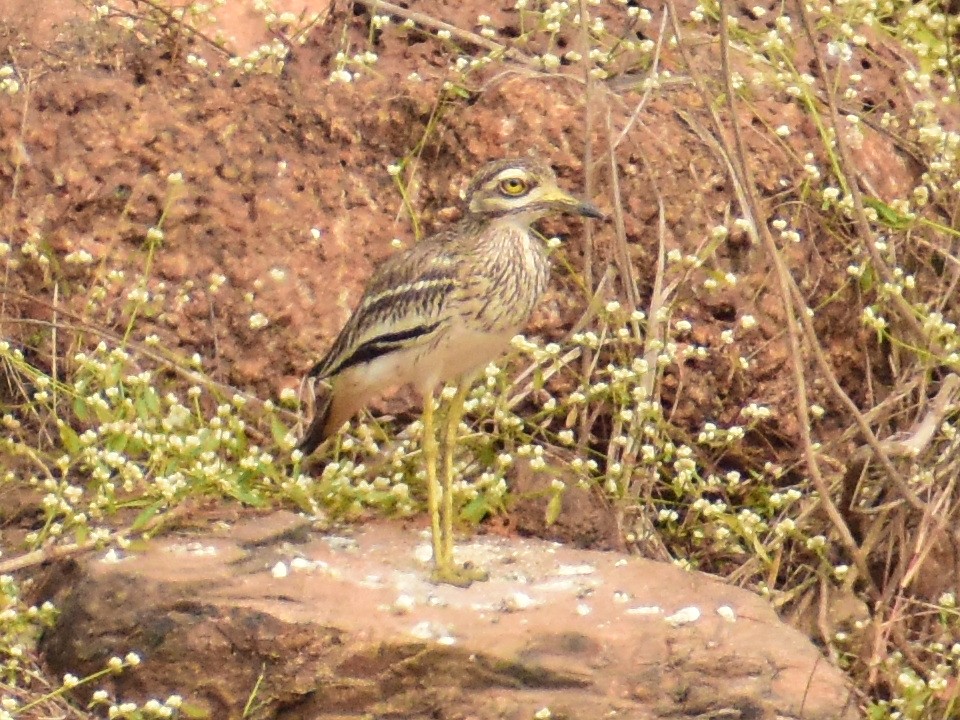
{"x": 381, "y": 345}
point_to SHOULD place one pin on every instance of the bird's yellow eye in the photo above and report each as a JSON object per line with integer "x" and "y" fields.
{"x": 513, "y": 186}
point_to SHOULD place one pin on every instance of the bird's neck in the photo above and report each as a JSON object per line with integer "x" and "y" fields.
{"x": 488, "y": 229}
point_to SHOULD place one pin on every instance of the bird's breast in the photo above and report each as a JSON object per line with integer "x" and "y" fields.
{"x": 512, "y": 274}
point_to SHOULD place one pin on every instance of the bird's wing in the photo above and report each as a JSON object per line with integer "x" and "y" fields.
{"x": 403, "y": 305}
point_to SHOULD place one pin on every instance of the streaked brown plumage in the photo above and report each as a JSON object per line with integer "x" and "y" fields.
{"x": 445, "y": 308}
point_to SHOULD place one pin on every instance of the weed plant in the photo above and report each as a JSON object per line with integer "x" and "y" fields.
{"x": 844, "y": 487}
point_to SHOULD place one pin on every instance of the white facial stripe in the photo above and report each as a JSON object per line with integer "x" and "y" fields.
{"x": 511, "y": 173}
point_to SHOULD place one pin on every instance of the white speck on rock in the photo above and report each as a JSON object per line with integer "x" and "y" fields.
{"x": 517, "y": 577}
{"x": 280, "y": 570}
{"x": 727, "y": 613}
{"x": 427, "y": 630}
{"x": 621, "y": 597}
{"x": 339, "y": 542}
{"x": 684, "y": 616}
{"x": 644, "y": 610}
{"x": 423, "y": 553}
{"x": 583, "y": 609}
{"x": 299, "y": 563}
{"x": 404, "y": 604}
{"x": 569, "y": 570}
{"x": 111, "y": 556}
{"x": 556, "y": 586}
{"x": 422, "y": 630}
{"x": 193, "y": 548}
{"x": 517, "y": 601}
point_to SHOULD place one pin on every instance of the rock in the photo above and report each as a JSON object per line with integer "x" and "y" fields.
{"x": 308, "y": 625}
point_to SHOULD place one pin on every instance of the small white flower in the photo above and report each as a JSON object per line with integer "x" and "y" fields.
{"x": 79, "y": 257}
{"x": 258, "y": 321}
{"x": 550, "y": 61}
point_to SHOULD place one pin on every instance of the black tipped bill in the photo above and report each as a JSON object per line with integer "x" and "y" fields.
{"x": 589, "y": 210}
{"x": 566, "y": 202}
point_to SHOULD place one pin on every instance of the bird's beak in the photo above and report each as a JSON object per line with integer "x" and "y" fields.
{"x": 589, "y": 210}
{"x": 570, "y": 203}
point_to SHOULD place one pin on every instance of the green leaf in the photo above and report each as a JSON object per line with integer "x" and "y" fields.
{"x": 118, "y": 443}
{"x": 194, "y": 712}
{"x": 554, "y": 507}
{"x": 459, "y": 91}
{"x": 475, "y": 510}
{"x": 80, "y": 409}
{"x": 141, "y": 407}
{"x": 80, "y": 534}
{"x": 70, "y": 439}
{"x": 104, "y": 414}
{"x": 278, "y": 430}
{"x": 248, "y": 496}
{"x": 113, "y": 374}
{"x": 146, "y": 515}
{"x": 152, "y": 401}
{"x": 887, "y": 215}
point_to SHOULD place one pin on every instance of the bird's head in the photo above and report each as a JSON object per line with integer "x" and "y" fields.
{"x": 522, "y": 189}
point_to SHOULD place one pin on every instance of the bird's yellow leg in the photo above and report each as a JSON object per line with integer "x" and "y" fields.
{"x": 449, "y": 443}
{"x": 447, "y": 570}
{"x": 430, "y": 460}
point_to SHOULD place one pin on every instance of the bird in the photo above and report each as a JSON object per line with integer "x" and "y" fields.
{"x": 440, "y": 311}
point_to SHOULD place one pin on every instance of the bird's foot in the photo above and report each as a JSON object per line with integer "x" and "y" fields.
{"x": 460, "y": 575}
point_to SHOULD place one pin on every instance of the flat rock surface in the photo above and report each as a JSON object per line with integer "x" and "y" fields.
{"x": 319, "y": 625}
